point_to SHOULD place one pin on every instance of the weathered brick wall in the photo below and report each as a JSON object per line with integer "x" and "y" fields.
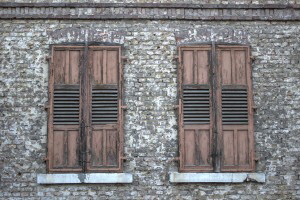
{"x": 151, "y": 138}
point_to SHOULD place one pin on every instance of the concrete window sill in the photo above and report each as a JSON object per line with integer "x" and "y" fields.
{"x": 84, "y": 178}
{"x": 176, "y": 177}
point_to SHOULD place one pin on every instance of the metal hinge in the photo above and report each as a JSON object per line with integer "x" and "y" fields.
{"x": 124, "y": 58}
{"x": 46, "y": 159}
{"x": 176, "y": 159}
{"x": 124, "y": 107}
{"x": 175, "y": 107}
{"x": 254, "y": 108}
{"x": 46, "y": 106}
{"x": 124, "y": 158}
{"x": 48, "y": 58}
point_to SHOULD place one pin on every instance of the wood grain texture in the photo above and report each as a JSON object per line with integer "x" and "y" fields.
{"x": 203, "y": 67}
{"x": 65, "y": 153}
{"x": 103, "y": 147}
{"x": 66, "y": 66}
{"x": 188, "y": 63}
{"x": 196, "y": 65}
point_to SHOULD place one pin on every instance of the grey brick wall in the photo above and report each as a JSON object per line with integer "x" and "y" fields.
{"x": 151, "y": 137}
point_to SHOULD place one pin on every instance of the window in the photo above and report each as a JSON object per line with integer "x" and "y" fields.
{"x": 85, "y": 115}
{"x": 215, "y": 109}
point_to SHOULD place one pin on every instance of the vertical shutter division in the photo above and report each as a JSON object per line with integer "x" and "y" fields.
{"x": 64, "y": 118}
{"x": 195, "y": 116}
{"x": 236, "y": 119}
{"x": 105, "y": 96}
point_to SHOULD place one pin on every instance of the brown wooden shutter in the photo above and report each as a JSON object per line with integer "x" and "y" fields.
{"x": 235, "y": 123}
{"x": 195, "y": 116}
{"x": 104, "y": 140}
{"x": 65, "y": 110}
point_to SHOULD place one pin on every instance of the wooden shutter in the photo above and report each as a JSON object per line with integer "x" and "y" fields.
{"x": 65, "y": 110}
{"x": 235, "y": 123}
{"x": 195, "y": 116}
{"x": 104, "y": 140}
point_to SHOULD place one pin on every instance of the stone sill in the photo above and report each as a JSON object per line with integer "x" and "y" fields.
{"x": 84, "y": 178}
{"x": 176, "y": 177}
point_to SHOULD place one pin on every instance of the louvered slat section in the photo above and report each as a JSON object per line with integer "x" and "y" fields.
{"x": 104, "y": 106}
{"x": 196, "y": 106}
{"x": 234, "y": 106}
{"x": 66, "y": 106}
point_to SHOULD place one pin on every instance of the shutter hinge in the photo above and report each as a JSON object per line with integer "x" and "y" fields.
{"x": 175, "y": 107}
{"x": 126, "y": 158}
{"x": 175, "y": 58}
{"x": 124, "y": 58}
{"x": 124, "y": 107}
{"x": 176, "y": 159}
{"x": 46, "y": 106}
{"x": 46, "y": 159}
{"x": 254, "y": 108}
{"x": 48, "y": 58}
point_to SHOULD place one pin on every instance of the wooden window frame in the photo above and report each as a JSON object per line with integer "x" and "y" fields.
{"x": 216, "y": 143}
{"x": 85, "y": 122}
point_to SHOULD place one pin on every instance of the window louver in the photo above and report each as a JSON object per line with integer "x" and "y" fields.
{"x": 66, "y": 106}
{"x": 104, "y": 106}
{"x": 196, "y": 106}
{"x": 234, "y": 106}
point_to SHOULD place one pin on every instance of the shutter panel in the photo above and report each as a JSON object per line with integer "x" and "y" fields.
{"x": 105, "y": 136}
{"x": 64, "y": 114}
{"x": 235, "y": 98}
{"x": 195, "y": 116}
